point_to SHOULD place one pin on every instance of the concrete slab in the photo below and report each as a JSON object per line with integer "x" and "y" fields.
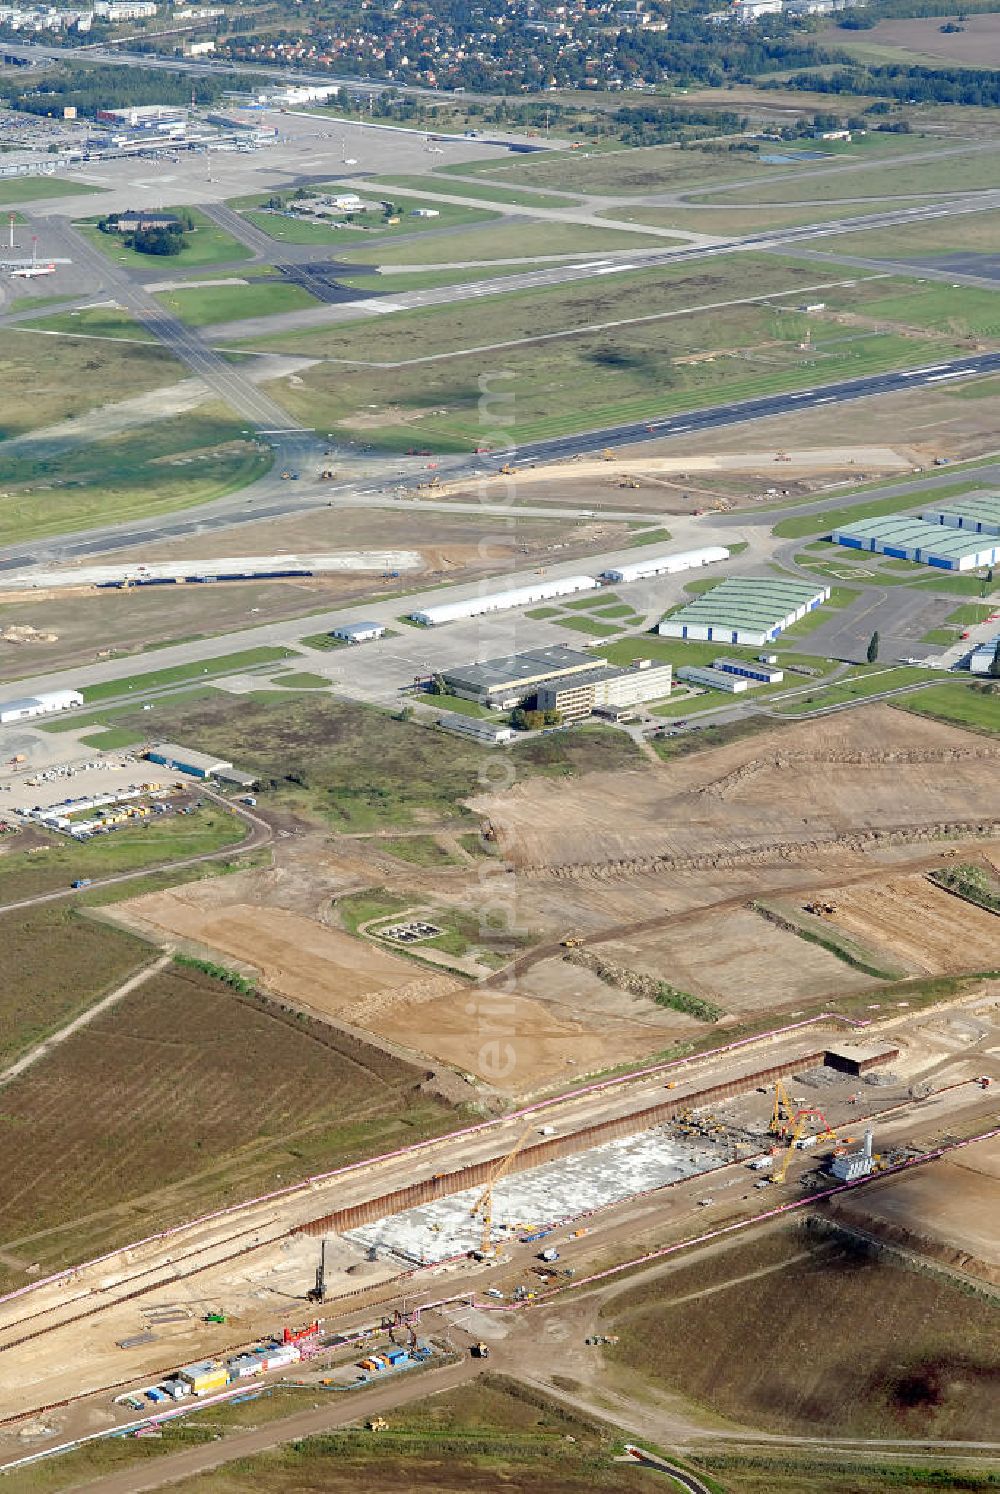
{"x": 556, "y": 1192}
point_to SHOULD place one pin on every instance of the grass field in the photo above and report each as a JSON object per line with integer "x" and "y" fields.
{"x": 975, "y": 171}
{"x": 151, "y": 469}
{"x": 141, "y": 1118}
{"x": 231, "y": 303}
{"x": 346, "y": 238}
{"x": 301, "y": 679}
{"x": 802, "y": 525}
{"x": 880, "y": 1351}
{"x": 844, "y": 691}
{"x": 828, "y": 1474}
{"x": 358, "y": 768}
{"x": 525, "y": 241}
{"x": 638, "y": 171}
{"x": 36, "y": 188}
{"x": 475, "y": 191}
{"x": 490, "y": 1435}
{"x": 679, "y": 651}
{"x": 536, "y": 313}
{"x": 94, "y": 321}
{"x": 419, "y": 850}
{"x": 64, "y": 963}
{"x": 164, "y": 838}
{"x": 571, "y": 369}
{"x": 459, "y": 705}
{"x": 958, "y": 309}
{"x": 965, "y": 704}
{"x": 53, "y": 378}
{"x": 206, "y": 245}
{"x": 155, "y": 679}
{"x": 589, "y": 625}
{"x": 971, "y": 233}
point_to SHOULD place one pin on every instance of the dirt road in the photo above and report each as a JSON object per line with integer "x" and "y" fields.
{"x": 111, "y": 999}
{"x": 260, "y": 835}
{"x": 343, "y": 1409}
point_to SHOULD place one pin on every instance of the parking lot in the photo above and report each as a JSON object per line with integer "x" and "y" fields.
{"x": 25, "y": 790}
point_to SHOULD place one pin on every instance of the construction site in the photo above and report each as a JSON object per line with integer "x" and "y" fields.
{"x": 679, "y": 1151}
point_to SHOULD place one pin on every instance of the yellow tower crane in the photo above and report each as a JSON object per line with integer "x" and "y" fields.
{"x": 484, "y": 1203}
{"x": 800, "y": 1125}
{"x": 783, "y": 1113}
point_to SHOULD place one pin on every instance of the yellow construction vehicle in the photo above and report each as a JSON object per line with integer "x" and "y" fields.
{"x": 570, "y": 942}
{"x": 607, "y": 454}
{"x": 507, "y": 470}
{"x": 375, "y": 1423}
{"x": 484, "y": 1203}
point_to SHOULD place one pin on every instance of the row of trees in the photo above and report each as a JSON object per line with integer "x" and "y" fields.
{"x": 911, "y": 85}
{"x": 89, "y": 89}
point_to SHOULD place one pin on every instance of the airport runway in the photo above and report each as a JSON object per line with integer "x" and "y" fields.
{"x": 634, "y": 433}
{"x": 272, "y": 499}
{"x": 592, "y": 267}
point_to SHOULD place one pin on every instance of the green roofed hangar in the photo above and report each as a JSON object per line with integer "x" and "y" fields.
{"x": 744, "y": 610}
{"x": 904, "y": 537}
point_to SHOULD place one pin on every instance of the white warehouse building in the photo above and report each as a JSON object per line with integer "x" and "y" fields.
{"x": 666, "y": 565}
{"x": 39, "y": 705}
{"x": 503, "y": 601}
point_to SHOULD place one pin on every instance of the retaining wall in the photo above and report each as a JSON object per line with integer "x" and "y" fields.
{"x": 477, "y": 1174}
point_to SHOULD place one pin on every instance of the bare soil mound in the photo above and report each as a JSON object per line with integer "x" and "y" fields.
{"x": 857, "y": 780}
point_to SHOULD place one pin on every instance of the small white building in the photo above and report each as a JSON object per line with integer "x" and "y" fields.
{"x": 492, "y": 733}
{"x": 29, "y": 706}
{"x": 713, "y": 679}
{"x": 359, "y": 632}
{"x": 346, "y": 202}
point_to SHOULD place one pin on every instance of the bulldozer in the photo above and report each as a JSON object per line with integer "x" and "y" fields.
{"x": 628, "y": 482}
{"x": 327, "y": 474}
{"x": 377, "y": 1424}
